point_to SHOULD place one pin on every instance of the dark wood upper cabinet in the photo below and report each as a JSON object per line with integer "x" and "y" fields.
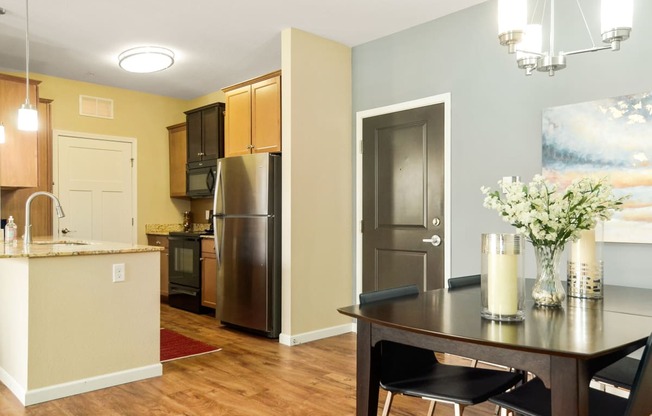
{"x": 205, "y": 132}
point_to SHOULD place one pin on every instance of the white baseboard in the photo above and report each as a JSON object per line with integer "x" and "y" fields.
{"x": 71, "y": 388}
{"x": 297, "y": 339}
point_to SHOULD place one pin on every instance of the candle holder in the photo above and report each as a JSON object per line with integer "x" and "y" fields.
{"x": 502, "y": 282}
{"x": 585, "y": 266}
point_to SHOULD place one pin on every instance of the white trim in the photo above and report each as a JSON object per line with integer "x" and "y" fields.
{"x": 408, "y": 105}
{"x": 56, "y": 134}
{"x": 291, "y": 340}
{"x": 84, "y": 385}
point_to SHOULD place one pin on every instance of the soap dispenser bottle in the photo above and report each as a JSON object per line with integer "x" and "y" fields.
{"x": 10, "y": 232}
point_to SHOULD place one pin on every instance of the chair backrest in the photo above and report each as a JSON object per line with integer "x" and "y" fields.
{"x": 385, "y": 294}
{"x": 464, "y": 281}
{"x": 640, "y": 399}
{"x": 399, "y": 359}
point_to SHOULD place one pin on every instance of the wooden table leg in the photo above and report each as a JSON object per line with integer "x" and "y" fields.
{"x": 569, "y": 386}
{"x": 367, "y": 372}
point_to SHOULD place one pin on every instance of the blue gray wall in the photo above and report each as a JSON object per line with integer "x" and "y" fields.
{"x": 496, "y": 109}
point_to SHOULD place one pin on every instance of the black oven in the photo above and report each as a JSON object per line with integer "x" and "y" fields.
{"x": 184, "y": 263}
{"x": 200, "y": 178}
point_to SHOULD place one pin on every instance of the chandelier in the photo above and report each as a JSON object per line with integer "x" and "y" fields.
{"x": 526, "y": 38}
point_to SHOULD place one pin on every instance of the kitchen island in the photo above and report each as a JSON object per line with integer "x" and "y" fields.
{"x": 66, "y": 327}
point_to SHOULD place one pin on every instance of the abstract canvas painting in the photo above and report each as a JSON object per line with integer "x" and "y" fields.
{"x": 610, "y": 138}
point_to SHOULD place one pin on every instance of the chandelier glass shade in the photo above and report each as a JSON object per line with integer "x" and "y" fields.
{"x": 526, "y": 39}
{"x": 146, "y": 59}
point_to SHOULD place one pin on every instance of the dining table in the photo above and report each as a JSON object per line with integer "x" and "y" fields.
{"x": 563, "y": 346}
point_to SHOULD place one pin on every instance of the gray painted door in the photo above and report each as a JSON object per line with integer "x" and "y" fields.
{"x": 403, "y": 199}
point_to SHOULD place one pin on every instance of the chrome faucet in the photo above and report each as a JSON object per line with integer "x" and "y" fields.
{"x": 28, "y": 204}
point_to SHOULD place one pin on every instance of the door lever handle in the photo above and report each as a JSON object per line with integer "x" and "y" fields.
{"x": 435, "y": 240}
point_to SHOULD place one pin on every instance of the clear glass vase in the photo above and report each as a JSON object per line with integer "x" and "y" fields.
{"x": 548, "y": 290}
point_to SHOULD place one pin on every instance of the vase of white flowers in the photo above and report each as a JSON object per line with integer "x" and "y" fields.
{"x": 548, "y": 290}
{"x": 549, "y": 219}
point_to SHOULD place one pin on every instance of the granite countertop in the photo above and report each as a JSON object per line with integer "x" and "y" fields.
{"x": 61, "y": 247}
{"x": 166, "y": 229}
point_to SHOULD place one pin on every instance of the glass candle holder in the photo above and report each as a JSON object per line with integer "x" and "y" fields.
{"x": 502, "y": 283}
{"x": 585, "y": 266}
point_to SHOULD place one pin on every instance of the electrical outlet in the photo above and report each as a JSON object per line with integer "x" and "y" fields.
{"x": 208, "y": 214}
{"x": 119, "y": 272}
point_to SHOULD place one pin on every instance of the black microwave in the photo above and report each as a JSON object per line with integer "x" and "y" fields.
{"x": 200, "y": 178}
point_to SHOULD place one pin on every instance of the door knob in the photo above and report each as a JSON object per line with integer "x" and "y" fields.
{"x": 435, "y": 240}
{"x": 65, "y": 231}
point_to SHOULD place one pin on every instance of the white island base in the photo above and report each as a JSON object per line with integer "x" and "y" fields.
{"x": 65, "y": 326}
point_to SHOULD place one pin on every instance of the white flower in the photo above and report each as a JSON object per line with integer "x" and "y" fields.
{"x": 548, "y": 217}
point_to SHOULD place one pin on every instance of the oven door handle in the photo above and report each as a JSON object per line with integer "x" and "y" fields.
{"x": 177, "y": 291}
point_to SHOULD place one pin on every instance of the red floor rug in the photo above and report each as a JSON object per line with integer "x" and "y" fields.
{"x": 175, "y": 346}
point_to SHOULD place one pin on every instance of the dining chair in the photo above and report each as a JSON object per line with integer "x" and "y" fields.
{"x": 460, "y": 282}
{"x": 414, "y": 371}
{"x": 619, "y": 374}
{"x": 533, "y": 398}
{"x": 464, "y": 281}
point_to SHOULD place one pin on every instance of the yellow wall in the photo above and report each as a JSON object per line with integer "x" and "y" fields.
{"x": 138, "y": 115}
{"x": 317, "y": 183}
{"x": 214, "y": 97}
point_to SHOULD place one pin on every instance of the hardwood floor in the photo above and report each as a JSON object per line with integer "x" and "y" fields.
{"x": 251, "y": 376}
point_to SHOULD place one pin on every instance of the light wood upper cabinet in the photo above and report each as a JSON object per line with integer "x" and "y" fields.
{"x": 18, "y": 155}
{"x": 266, "y": 115}
{"x": 237, "y": 123}
{"x": 253, "y": 116}
{"x": 178, "y": 155}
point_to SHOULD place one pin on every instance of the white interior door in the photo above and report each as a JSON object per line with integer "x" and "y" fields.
{"x": 93, "y": 178}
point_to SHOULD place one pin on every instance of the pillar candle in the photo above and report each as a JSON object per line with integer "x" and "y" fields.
{"x": 502, "y": 284}
{"x": 583, "y": 250}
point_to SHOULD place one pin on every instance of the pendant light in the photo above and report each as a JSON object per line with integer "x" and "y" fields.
{"x": 27, "y": 115}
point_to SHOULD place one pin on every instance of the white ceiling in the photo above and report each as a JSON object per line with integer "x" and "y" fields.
{"x": 217, "y": 43}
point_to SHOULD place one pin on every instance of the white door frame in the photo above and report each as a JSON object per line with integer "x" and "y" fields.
{"x": 408, "y": 105}
{"x": 134, "y": 176}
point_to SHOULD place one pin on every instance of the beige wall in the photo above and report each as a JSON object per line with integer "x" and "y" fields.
{"x": 67, "y": 328}
{"x": 317, "y": 183}
{"x": 138, "y": 115}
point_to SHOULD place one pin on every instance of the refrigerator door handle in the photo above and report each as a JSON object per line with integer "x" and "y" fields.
{"x": 218, "y": 182}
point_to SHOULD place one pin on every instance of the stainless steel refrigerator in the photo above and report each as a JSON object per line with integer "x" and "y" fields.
{"x": 247, "y": 224}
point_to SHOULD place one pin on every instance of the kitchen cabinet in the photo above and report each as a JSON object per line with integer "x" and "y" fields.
{"x": 18, "y": 155}
{"x": 205, "y": 132}
{"x": 178, "y": 156}
{"x": 162, "y": 241}
{"x": 253, "y": 116}
{"x": 208, "y": 273}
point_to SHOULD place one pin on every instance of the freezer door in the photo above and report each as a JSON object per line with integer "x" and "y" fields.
{"x": 247, "y": 288}
{"x": 244, "y": 185}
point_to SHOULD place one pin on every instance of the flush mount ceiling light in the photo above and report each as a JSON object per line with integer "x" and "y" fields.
{"x": 145, "y": 59}
{"x": 526, "y": 38}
